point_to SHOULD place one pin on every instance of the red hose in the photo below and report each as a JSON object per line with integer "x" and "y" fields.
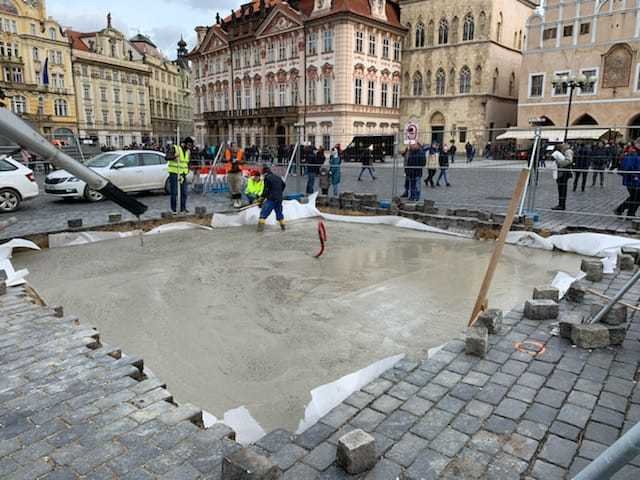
{"x": 322, "y": 233}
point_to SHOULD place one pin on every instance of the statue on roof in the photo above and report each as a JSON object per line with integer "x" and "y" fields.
{"x": 109, "y": 20}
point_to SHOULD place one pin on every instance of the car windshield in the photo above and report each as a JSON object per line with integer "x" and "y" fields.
{"x": 103, "y": 160}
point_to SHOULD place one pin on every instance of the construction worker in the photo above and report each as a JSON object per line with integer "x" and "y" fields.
{"x": 178, "y": 158}
{"x": 273, "y": 192}
{"x": 255, "y": 187}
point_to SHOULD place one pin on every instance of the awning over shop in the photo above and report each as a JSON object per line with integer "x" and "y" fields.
{"x": 555, "y": 135}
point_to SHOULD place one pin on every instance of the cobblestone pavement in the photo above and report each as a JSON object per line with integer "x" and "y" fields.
{"x": 481, "y": 185}
{"x": 70, "y": 408}
{"x": 507, "y": 416}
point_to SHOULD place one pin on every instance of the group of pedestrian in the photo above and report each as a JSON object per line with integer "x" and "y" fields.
{"x": 417, "y": 157}
{"x": 326, "y": 169}
{"x": 594, "y": 157}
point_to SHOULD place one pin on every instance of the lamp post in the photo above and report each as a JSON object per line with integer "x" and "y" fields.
{"x": 571, "y": 82}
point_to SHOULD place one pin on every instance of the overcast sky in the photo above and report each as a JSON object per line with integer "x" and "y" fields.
{"x": 162, "y": 20}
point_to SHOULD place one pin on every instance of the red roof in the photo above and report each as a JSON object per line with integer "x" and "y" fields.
{"x": 76, "y": 41}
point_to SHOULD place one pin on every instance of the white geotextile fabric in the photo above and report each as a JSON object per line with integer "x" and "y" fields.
{"x": 606, "y": 247}
{"x": 6, "y": 251}
{"x": 294, "y": 210}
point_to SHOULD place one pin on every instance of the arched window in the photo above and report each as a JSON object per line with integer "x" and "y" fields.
{"x": 494, "y": 86}
{"x": 443, "y": 32}
{"x": 19, "y": 104}
{"x": 53, "y": 34}
{"x": 453, "y": 31}
{"x": 441, "y": 81}
{"x": 499, "y": 28}
{"x": 419, "y": 35}
{"x": 427, "y": 84}
{"x": 468, "y": 29}
{"x": 465, "y": 80}
{"x": 61, "y": 108}
{"x": 417, "y": 84}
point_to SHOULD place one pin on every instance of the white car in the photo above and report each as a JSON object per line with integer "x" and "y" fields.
{"x": 16, "y": 184}
{"x": 131, "y": 170}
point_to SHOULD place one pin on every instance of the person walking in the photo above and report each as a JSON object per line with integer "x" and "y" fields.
{"x": 443, "y": 160}
{"x": 178, "y": 159}
{"x": 600, "y": 160}
{"x": 631, "y": 180}
{"x": 432, "y": 164}
{"x": 452, "y": 151}
{"x": 334, "y": 171}
{"x": 273, "y": 193}
{"x": 470, "y": 151}
{"x": 416, "y": 161}
{"x": 367, "y": 162}
{"x": 563, "y": 158}
{"x": 581, "y": 167}
{"x": 314, "y": 161}
{"x": 487, "y": 151}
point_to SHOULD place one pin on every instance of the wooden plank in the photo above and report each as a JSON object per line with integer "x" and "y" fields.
{"x": 482, "y": 301}
{"x": 606, "y": 297}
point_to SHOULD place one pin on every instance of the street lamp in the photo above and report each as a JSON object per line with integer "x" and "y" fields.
{"x": 571, "y": 82}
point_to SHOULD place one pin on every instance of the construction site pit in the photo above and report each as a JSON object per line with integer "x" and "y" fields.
{"x": 230, "y": 318}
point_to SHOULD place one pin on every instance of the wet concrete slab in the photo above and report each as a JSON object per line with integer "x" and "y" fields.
{"x": 230, "y": 318}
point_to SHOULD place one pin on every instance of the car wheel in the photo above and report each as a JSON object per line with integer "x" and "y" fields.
{"x": 9, "y": 200}
{"x": 92, "y": 195}
{"x": 167, "y": 188}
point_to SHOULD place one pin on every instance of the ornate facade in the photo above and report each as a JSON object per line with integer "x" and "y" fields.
{"x": 35, "y": 68}
{"x": 590, "y": 37}
{"x": 112, "y": 84}
{"x": 169, "y": 92}
{"x": 274, "y": 71}
{"x": 461, "y": 67}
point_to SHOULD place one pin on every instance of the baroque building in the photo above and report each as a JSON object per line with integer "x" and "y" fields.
{"x": 169, "y": 91}
{"x": 276, "y": 72}
{"x": 595, "y": 38}
{"x": 35, "y": 68}
{"x": 112, "y": 83}
{"x": 461, "y": 67}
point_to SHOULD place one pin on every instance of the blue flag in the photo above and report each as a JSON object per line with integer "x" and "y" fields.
{"x": 45, "y": 72}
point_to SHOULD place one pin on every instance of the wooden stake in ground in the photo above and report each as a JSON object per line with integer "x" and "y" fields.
{"x": 481, "y": 301}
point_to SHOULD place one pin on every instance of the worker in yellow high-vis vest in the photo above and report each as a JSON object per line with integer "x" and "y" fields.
{"x": 178, "y": 158}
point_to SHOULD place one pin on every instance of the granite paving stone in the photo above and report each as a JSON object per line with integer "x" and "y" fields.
{"x": 558, "y": 451}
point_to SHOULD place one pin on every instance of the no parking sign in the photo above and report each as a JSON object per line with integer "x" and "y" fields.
{"x": 411, "y": 133}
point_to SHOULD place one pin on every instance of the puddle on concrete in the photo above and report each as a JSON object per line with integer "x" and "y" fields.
{"x": 231, "y": 318}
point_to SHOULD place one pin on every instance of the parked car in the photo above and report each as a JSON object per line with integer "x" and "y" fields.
{"x": 131, "y": 170}
{"x": 358, "y": 148}
{"x": 16, "y": 184}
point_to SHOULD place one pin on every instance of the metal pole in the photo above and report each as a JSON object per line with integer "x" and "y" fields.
{"x": 530, "y": 178}
{"x": 625, "y": 449}
{"x": 293, "y": 155}
{"x": 616, "y": 298}
{"x": 566, "y": 125}
{"x": 394, "y": 186}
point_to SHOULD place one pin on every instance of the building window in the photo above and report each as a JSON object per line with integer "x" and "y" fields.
{"x": 130, "y": 97}
{"x": 130, "y": 115}
{"x": 496, "y": 76}
{"x": 359, "y": 42}
{"x": 61, "y": 108}
{"x": 585, "y": 28}
{"x": 462, "y": 135}
{"x": 247, "y": 97}
{"x": 311, "y": 92}
{"x": 119, "y": 119}
{"x": 282, "y": 50}
{"x": 238, "y": 105}
{"x": 385, "y": 48}
{"x": 142, "y": 98}
{"x": 19, "y": 105}
{"x": 88, "y": 115}
{"x": 591, "y": 73}
{"x": 256, "y": 59}
{"x": 567, "y": 31}
{"x": 116, "y": 95}
{"x": 372, "y": 45}
{"x": 105, "y": 117}
{"x": 441, "y": 80}
{"x": 358, "y": 92}
{"x": 465, "y": 80}
{"x": 549, "y": 33}
{"x": 247, "y": 57}
{"x": 271, "y": 96}
{"x": 443, "y": 32}
{"x": 271, "y": 53}
{"x": 87, "y": 92}
{"x": 36, "y": 54}
{"x": 16, "y": 75}
{"x": 33, "y": 29}
{"x": 419, "y": 35}
{"x": 311, "y": 139}
{"x": 257, "y": 96}
{"x": 326, "y": 142}
{"x": 384, "y": 94}
{"x": 561, "y": 88}
{"x": 282, "y": 94}
{"x": 40, "y": 105}
{"x": 468, "y": 29}
{"x": 371, "y": 93}
{"x": 328, "y": 41}
{"x": 536, "y": 85}
{"x": 312, "y": 43}
{"x": 143, "y": 119}
{"x": 396, "y": 51}
{"x": 327, "y": 91}
{"x": 103, "y": 94}
{"x": 53, "y": 34}
{"x": 395, "y": 101}
{"x": 417, "y": 84}
{"x": 295, "y": 93}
